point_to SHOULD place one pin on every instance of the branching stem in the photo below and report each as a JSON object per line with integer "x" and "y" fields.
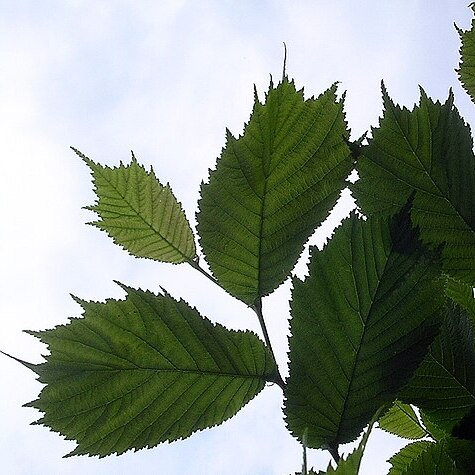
{"x": 257, "y": 307}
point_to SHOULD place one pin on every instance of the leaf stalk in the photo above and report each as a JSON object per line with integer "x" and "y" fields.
{"x": 257, "y": 307}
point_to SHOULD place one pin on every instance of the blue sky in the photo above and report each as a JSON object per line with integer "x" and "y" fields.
{"x": 165, "y": 78}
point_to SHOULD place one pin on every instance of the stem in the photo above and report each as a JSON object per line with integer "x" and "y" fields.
{"x": 196, "y": 265}
{"x": 334, "y": 453}
{"x": 257, "y": 307}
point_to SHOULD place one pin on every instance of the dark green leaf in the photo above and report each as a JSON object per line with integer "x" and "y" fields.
{"x": 361, "y": 323}
{"x": 462, "y": 452}
{"x": 136, "y": 372}
{"x": 462, "y": 294}
{"x": 270, "y": 189}
{"x": 444, "y": 385}
{"x": 428, "y": 151}
{"x": 140, "y": 214}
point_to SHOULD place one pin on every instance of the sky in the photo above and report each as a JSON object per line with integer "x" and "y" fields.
{"x": 164, "y": 79}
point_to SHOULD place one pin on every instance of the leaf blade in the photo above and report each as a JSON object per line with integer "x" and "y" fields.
{"x": 402, "y": 421}
{"x": 139, "y": 213}
{"x": 357, "y": 330}
{"x": 444, "y": 385}
{"x": 467, "y": 59}
{"x": 427, "y": 150}
{"x": 270, "y": 189}
{"x": 137, "y": 372}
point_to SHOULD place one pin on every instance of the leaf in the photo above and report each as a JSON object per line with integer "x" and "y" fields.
{"x": 462, "y": 294}
{"x": 462, "y": 452}
{"x": 466, "y": 71}
{"x": 402, "y": 421}
{"x": 139, "y": 213}
{"x": 434, "y": 430}
{"x": 465, "y": 429}
{"x": 136, "y": 372}
{"x": 444, "y": 385}
{"x": 428, "y": 151}
{"x": 361, "y": 323}
{"x": 425, "y": 457}
{"x": 406, "y": 456}
{"x": 271, "y": 187}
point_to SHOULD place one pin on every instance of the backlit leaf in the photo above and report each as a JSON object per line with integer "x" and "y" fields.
{"x": 136, "y": 372}
{"x": 402, "y": 421}
{"x": 361, "y": 323}
{"x": 271, "y": 187}
{"x": 444, "y": 385}
{"x": 139, "y": 213}
{"x": 423, "y": 458}
{"x": 428, "y": 151}
{"x": 467, "y": 56}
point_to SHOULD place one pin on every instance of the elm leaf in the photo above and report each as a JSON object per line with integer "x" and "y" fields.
{"x": 466, "y": 70}
{"x": 362, "y": 321}
{"x": 426, "y": 151}
{"x": 148, "y": 369}
{"x": 271, "y": 188}
{"x": 402, "y": 421}
{"x": 139, "y": 213}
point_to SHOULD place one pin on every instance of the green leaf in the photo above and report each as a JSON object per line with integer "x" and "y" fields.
{"x": 432, "y": 428}
{"x": 444, "y": 385}
{"x": 402, "y": 421}
{"x": 423, "y": 457}
{"x": 428, "y": 151}
{"x": 400, "y": 461}
{"x": 140, "y": 214}
{"x": 136, "y": 372}
{"x": 271, "y": 187}
{"x": 462, "y": 452}
{"x": 467, "y": 59}
{"x": 361, "y": 323}
{"x": 462, "y": 294}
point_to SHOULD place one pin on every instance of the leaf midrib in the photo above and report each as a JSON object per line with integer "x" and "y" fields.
{"x": 363, "y": 333}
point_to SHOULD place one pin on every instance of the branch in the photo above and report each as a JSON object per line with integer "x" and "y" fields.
{"x": 257, "y": 307}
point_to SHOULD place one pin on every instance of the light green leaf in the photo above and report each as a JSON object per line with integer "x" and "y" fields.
{"x": 408, "y": 455}
{"x": 361, "y": 323}
{"x": 136, "y": 372}
{"x": 434, "y": 459}
{"x": 444, "y": 385}
{"x": 428, "y": 151}
{"x": 467, "y": 59}
{"x": 271, "y": 187}
{"x": 402, "y": 421}
{"x": 139, "y": 213}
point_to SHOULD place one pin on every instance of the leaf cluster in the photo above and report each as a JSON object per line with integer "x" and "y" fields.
{"x": 381, "y": 329}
